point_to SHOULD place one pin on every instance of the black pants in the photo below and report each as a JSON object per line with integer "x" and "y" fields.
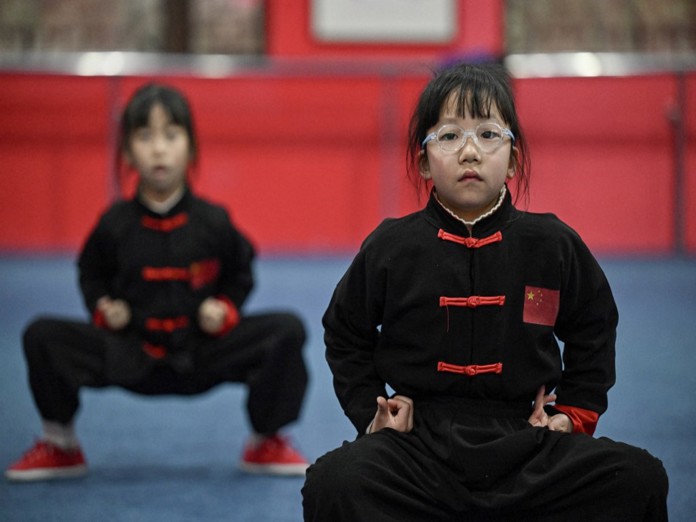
{"x": 264, "y": 352}
{"x": 458, "y": 466}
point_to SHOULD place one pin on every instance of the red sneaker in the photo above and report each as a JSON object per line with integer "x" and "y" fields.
{"x": 46, "y": 461}
{"x": 273, "y": 456}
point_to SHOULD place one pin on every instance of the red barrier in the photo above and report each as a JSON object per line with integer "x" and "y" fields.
{"x": 602, "y": 155}
{"x": 689, "y": 188}
{"x": 53, "y": 145}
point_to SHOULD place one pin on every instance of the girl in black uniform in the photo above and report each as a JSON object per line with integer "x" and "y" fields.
{"x": 164, "y": 276}
{"x": 455, "y": 310}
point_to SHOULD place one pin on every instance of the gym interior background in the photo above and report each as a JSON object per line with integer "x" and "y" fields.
{"x": 302, "y": 108}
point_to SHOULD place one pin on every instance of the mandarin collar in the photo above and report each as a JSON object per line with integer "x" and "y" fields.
{"x": 439, "y": 217}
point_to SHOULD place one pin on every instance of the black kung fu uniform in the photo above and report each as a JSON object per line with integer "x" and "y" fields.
{"x": 466, "y": 325}
{"x": 164, "y": 267}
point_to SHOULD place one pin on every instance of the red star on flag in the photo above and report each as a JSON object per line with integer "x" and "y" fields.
{"x": 540, "y": 305}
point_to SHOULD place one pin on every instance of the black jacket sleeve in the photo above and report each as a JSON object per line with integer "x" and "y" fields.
{"x": 351, "y": 325}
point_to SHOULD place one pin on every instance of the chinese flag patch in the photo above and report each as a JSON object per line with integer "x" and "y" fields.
{"x": 540, "y": 305}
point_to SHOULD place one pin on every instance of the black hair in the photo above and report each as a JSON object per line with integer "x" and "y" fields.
{"x": 137, "y": 114}
{"x": 478, "y": 88}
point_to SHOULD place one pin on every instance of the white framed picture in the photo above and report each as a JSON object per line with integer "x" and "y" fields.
{"x": 384, "y": 21}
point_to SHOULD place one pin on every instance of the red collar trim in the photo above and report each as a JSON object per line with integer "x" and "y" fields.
{"x": 165, "y": 224}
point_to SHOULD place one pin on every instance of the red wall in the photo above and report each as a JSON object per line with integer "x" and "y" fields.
{"x": 689, "y": 189}
{"x": 308, "y": 152}
{"x": 53, "y": 147}
{"x": 311, "y": 163}
{"x": 602, "y": 152}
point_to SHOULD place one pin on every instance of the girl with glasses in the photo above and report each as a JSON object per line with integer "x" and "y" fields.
{"x": 442, "y": 339}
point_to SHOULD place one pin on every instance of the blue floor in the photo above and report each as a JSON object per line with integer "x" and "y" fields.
{"x": 174, "y": 459}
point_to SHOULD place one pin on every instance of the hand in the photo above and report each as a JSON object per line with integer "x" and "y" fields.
{"x": 539, "y": 417}
{"x": 116, "y": 312}
{"x": 211, "y": 315}
{"x": 560, "y": 422}
{"x": 395, "y": 413}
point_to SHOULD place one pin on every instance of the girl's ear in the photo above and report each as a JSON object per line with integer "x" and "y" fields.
{"x": 424, "y": 165}
{"x": 514, "y": 162}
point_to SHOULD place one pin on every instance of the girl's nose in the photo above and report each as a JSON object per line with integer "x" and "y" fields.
{"x": 159, "y": 143}
{"x": 469, "y": 151}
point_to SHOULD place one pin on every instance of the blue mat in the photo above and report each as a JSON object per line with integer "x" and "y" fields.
{"x": 174, "y": 459}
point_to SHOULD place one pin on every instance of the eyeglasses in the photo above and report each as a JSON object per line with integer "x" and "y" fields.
{"x": 487, "y": 137}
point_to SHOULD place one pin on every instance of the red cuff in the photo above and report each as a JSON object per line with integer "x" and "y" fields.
{"x": 584, "y": 421}
{"x": 231, "y": 317}
{"x": 99, "y": 320}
